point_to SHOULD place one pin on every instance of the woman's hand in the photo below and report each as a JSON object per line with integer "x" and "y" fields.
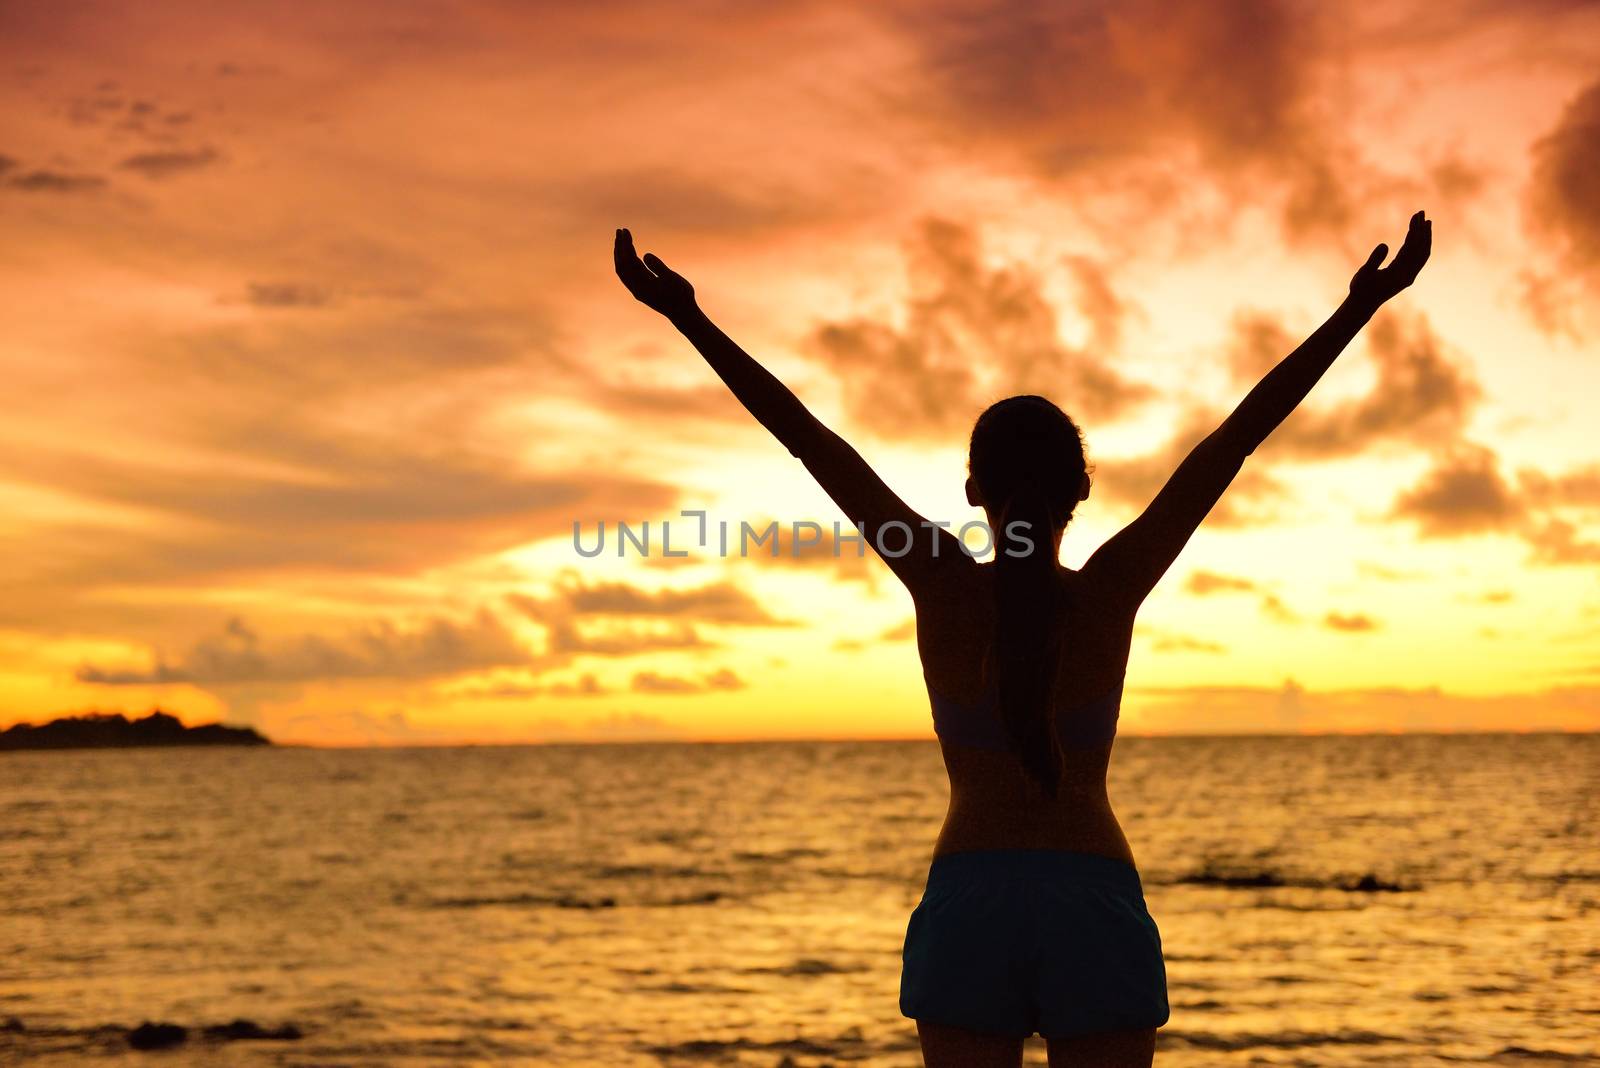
{"x": 652, "y": 282}
{"x": 1374, "y": 285}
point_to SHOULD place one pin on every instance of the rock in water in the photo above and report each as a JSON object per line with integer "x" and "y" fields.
{"x": 248, "y": 1029}
{"x": 157, "y": 1036}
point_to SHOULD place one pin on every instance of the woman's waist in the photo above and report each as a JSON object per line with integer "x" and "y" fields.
{"x": 1087, "y": 828}
{"x": 990, "y": 867}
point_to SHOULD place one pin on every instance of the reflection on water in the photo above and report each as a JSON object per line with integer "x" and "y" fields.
{"x": 1323, "y": 901}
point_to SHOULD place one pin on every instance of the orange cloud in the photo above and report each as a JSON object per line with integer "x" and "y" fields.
{"x": 382, "y": 650}
{"x": 1086, "y": 87}
{"x": 973, "y": 335}
{"x": 1463, "y": 494}
{"x": 651, "y": 682}
{"x": 1354, "y": 621}
{"x": 1563, "y": 196}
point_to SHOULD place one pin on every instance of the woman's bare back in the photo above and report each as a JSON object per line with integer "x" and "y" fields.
{"x": 993, "y": 804}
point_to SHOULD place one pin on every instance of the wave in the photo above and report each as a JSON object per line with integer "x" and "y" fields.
{"x": 653, "y": 871}
{"x": 1274, "y": 1040}
{"x": 705, "y": 898}
{"x": 695, "y": 988}
{"x": 560, "y": 901}
{"x": 18, "y": 834}
{"x": 793, "y": 853}
{"x": 804, "y": 966}
{"x": 146, "y": 1036}
{"x": 568, "y": 901}
{"x": 1267, "y": 878}
{"x": 848, "y": 1045}
{"x": 1204, "y": 1005}
{"x": 1522, "y": 1054}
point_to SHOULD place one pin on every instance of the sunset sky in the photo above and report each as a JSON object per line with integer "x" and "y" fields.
{"x": 313, "y": 352}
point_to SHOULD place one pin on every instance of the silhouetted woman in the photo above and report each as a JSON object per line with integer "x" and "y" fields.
{"x": 1033, "y": 917}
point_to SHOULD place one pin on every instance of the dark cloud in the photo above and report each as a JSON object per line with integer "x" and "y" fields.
{"x": 584, "y": 686}
{"x": 373, "y": 440}
{"x": 92, "y": 110}
{"x": 376, "y": 349}
{"x": 614, "y": 619}
{"x": 1133, "y": 482}
{"x": 794, "y": 545}
{"x": 54, "y": 182}
{"x": 1085, "y": 87}
{"x": 383, "y": 650}
{"x": 354, "y": 505}
{"x": 1106, "y": 310}
{"x": 1463, "y": 493}
{"x": 1552, "y": 302}
{"x": 633, "y": 400}
{"x": 121, "y": 114}
{"x": 1355, "y": 621}
{"x": 1564, "y": 191}
{"x": 287, "y": 295}
{"x": 1579, "y": 488}
{"x": 718, "y": 602}
{"x": 972, "y": 335}
{"x": 1205, "y": 583}
{"x": 567, "y": 638}
{"x": 650, "y": 682}
{"x": 167, "y": 164}
{"x": 665, "y": 201}
{"x": 1544, "y": 30}
{"x": 1259, "y": 341}
{"x": 1420, "y": 397}
{"x": 1456, "y": 181}
{"x": 358, "y": 442}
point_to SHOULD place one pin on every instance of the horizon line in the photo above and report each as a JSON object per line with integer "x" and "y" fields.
{"x": 534, "y": 743}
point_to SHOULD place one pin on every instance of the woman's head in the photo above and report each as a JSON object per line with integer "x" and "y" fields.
{"x": 1027, "y": 442}
{"x": 1027, "y": 465}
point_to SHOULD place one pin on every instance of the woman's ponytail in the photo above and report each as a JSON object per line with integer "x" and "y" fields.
{"x": 1029, "y": 612}
{"x": 1027, "y": 467}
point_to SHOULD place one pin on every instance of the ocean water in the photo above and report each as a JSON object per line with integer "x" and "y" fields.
{"x": 745, "y": 904}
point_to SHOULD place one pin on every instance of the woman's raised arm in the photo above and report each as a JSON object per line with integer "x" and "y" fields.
{"x": 1135, "y": 558}
{"x": 852, "y": 484}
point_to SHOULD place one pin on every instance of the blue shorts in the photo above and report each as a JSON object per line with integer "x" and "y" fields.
{"x": 1014, "y": 941}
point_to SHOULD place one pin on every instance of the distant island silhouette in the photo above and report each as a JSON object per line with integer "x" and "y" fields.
{"x": 113, "y": 730}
